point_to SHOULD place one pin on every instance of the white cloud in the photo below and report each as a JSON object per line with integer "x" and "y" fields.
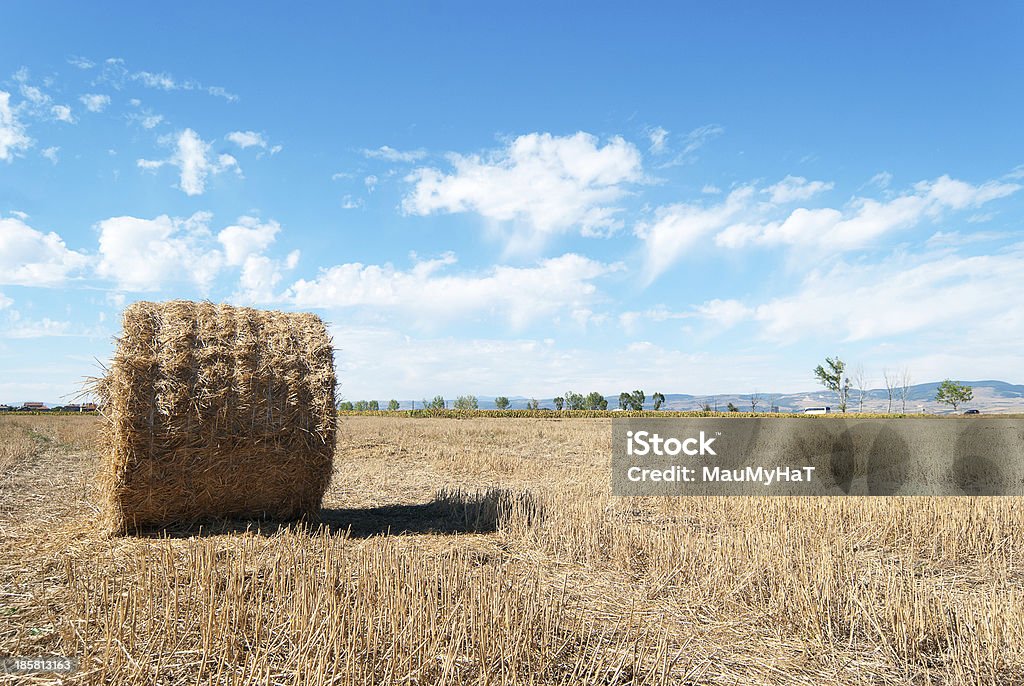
{"x": 740, "y": 219}
{"x": 794, "y": 188}
{"x": 658, "y": 136}
{"x": 725, "y": 313}
{"x": 32, "y": 258}
{"x": 32, "y": 94}
{"x": 539, "y": 185}
{"x": 350, "y": 203}
{"x": 12, "y": 131}
{"x": 143, "y": 254}
{"x": 386, "y": 152}
{"x": 81, "y": 62}
{"x": 678, "y": 228}
{"x": 247, "y": 139}
{"x": 247, "y": 238}
{"x": 95, "y": 102}
{"x": 865, "y": 220}
{"x": 62, "y": 113}
{"x": 5, "y": 302}
{"x": 370, "y": 182}
{"x": 161, "y": 81}
{"x": 146, "y": 119}
{"x": 261, "y": 275}
{"x": 520, "y": 294}
{"x": 250, "y": 139}
{"x": 630, "y": 320}
{"x": 944, "y": 296}
{"x": 722, "y": 313}
{"x": 51, "y": 153}
{"x": 192, "y": 157}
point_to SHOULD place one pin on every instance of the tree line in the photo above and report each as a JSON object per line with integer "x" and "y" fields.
{"x": 833, "y": 376}
{"x": 569, "y": 401}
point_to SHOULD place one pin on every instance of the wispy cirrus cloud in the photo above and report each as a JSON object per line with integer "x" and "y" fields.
{"x": 689, "y": 144}
{"x": 194, "y": 161}
{"x": 252, "y": 139}
{"x": 386, "y": 152}
{"x": 166, "y": 82}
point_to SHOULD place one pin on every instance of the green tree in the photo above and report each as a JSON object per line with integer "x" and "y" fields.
{"x": 575, "y": 401}
{"x": 831, "y": 377}
{"x": 659, "y": 400}
{"x": 362, "y": 406}
{"x": 625, "y": 401}
{"x": 436, "y": 404}
{"x": 345, "y": 406}
{"x": 501, "y": 402}
{"x": 732, "y": 408}
{"x": 638, "y": 400}
{"x": 595, "y": 400}
{"x": 466, "y": 402}
{"x": 532, "y": 404}
{"x": 559, "y": 403}
{"x": 953, "y": 393}
{"x": 393, "y": 405}
{"x": 373, "y": 406}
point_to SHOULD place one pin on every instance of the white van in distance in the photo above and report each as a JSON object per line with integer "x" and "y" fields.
{"x": 818, "y": 410}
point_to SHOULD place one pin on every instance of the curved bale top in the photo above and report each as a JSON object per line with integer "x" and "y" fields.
{"x": 217, "y": 411}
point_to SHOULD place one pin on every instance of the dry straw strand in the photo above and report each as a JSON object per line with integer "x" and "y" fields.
{"x": 217, "y": 411}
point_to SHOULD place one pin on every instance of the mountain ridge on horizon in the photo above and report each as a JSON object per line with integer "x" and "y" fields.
{"x": 989, "y": 395}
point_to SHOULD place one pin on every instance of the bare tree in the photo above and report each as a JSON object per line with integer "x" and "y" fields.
{"x": 905, "y": 382}
{"x": 890, "y": 385}
{"x": 860, "y": 381}
{"x": 755, "y": 398}
{"x": 773, "y": 402}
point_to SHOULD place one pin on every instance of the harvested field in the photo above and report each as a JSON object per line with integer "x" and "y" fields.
{"x": 490, "y": 551}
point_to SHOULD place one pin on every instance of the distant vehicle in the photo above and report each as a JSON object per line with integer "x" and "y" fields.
{"x": 818, "y": 410}
{"x": 972, "y": 411}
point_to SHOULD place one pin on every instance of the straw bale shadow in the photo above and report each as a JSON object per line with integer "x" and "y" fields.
{"x": 452, "y": 511}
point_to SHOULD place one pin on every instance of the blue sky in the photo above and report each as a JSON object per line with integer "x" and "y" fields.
{"x": 526, "y": 199}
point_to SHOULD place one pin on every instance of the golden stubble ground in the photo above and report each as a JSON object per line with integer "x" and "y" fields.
{"x": 491, "y": 551}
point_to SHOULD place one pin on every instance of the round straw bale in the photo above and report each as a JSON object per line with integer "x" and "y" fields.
{"x": 216, "y": 411}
